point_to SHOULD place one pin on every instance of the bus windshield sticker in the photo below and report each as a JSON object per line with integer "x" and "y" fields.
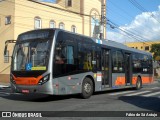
{"x": 28, "y": 66}
{"x": 39, "y": 68}
{"x": 98, "y": 41}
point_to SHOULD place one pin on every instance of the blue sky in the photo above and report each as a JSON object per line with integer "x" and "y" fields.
{"x": 126, "y": 12}
{"x": 128, "y": 17}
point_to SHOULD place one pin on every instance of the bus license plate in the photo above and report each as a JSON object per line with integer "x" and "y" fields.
{"x": 25, "y": 91}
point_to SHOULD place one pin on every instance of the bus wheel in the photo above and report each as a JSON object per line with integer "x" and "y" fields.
{"x": 139, "y": 83}
{"x": 87, "y": 88}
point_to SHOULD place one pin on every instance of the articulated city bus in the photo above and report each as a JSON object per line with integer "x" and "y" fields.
{"x": 57, "y": 62}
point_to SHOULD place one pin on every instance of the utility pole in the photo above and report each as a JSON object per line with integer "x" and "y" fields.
{"x": 103, "y": 14}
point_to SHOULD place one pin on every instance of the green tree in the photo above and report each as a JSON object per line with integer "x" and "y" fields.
{"x": 155, "y": 49}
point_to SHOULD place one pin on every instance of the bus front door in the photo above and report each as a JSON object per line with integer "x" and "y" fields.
{"x": 128, "y": 69}
{"x": 105, "y": 68}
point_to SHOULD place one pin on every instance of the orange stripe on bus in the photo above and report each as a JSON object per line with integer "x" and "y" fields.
{"x": 27, "y": 80}
{"x": 120, "y": 81}
{"x": 147, "y": 80}
{"x": 144, "y": 80}
{"x": 134, "y": 80}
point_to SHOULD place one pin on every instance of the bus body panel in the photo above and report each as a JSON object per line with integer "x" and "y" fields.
{"x": 36, "y": 89}
{"x": 118, "y": 79}
{"x": 72, "y": 83}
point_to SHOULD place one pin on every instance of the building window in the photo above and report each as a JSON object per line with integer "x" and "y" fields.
{"x": 37, "y": 23}
{"x": 6, "y": 57}
{"x": 68, "y": 3}
{"x": 52, "y": 24}
{"x": 146, "y": 48}
{"x": 61, "y": 26}
{"x": 7, "y": 20}
{"x": 73, "y": 29}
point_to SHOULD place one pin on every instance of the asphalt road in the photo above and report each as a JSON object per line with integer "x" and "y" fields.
{"x": 146, "y": 99}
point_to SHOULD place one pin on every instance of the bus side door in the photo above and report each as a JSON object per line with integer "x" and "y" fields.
{"x": 105, "y": 67}
{"x": 128, "y": 68}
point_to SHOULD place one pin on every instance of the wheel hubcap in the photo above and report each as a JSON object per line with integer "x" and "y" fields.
{"x": 87, "y": 88}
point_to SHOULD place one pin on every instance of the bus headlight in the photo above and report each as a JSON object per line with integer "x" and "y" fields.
{"x": 44, "y": 79}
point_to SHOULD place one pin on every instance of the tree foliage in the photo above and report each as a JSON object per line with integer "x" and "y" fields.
{"x": 157, "y": 58}
{"x": 155, "y": 49}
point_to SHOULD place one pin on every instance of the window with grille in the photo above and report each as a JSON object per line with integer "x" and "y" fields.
{"x": 61, "y": 26}
{"x": 6, "y": 57}
{"x": 74, "y": 29}
{"x": 7, "y": 20}
{"x": 37, "y": 23}
{"x": 52, "y": 24}
{"x": 68, "y": 3}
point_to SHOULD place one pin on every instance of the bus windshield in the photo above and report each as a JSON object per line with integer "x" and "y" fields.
{"x": 31, "y": 55}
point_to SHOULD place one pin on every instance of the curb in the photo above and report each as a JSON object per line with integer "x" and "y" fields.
{"x": 4, "y": 86}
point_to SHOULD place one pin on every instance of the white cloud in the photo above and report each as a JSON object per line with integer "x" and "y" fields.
{"x": 143, "y": 25}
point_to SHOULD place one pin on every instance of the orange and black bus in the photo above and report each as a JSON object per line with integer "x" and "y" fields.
{"x": 58, "y": 62}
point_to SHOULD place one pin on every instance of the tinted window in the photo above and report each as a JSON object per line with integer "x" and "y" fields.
{"x": 75, "y": 54}
{"x": 117, "y": 62}
{"x": 65, "y": 56}
{"x": 88, "y": 55}
{"x": 142, "y": 63}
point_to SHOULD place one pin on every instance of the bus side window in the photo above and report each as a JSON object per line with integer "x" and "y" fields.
{"x": 70, "y": 55}
{"x": 118, "y": 62}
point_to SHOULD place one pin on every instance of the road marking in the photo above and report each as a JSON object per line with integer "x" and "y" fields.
{"x": 119, "y": 93}
{"x": 4, "y": 93}
{"x": 155, "y": 88}
{"x": 137, "y": 93}
{"x": 151, "y": 94}
{"x": 3, "y": 86}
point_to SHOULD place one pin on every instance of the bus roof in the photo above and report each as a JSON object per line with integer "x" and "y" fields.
{"x": 106, "y": 42}
{"x": 122, "y": 46}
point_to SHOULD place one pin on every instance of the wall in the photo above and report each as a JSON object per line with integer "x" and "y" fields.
{"x": 23, "y": 13}
{"x": 6, "y": 33}
{"x": 141, "y": 45}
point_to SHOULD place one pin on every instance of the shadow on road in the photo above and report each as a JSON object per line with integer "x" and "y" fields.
{"x": 113, "y": 91}
{"x": 48, "y": 98}
{"x": 6, "y": 93}
{"x": 150, "y": 103}
{"x": 39, "y": 98}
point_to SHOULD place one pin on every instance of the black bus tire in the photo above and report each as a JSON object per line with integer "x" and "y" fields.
{"x": 138, "y": 83}
{"x": 87, "y": 88}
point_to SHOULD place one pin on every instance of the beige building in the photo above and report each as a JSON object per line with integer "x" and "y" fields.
{"x": 17, "y": 16}
{"x": 146, "y": 46}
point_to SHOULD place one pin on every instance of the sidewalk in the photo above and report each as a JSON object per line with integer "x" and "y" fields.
{"x": 4, "y": 85}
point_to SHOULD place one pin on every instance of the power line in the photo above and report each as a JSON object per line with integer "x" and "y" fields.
{"x": 58, "y": 8}
{"x": 124, "y": 11}
{"x": 46, "y": 11}
{"x": 116, "y": 6}
{"x": 141, "y": 8}
{"x": 137, "y": 37}
{"x": 39, "y": 9}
